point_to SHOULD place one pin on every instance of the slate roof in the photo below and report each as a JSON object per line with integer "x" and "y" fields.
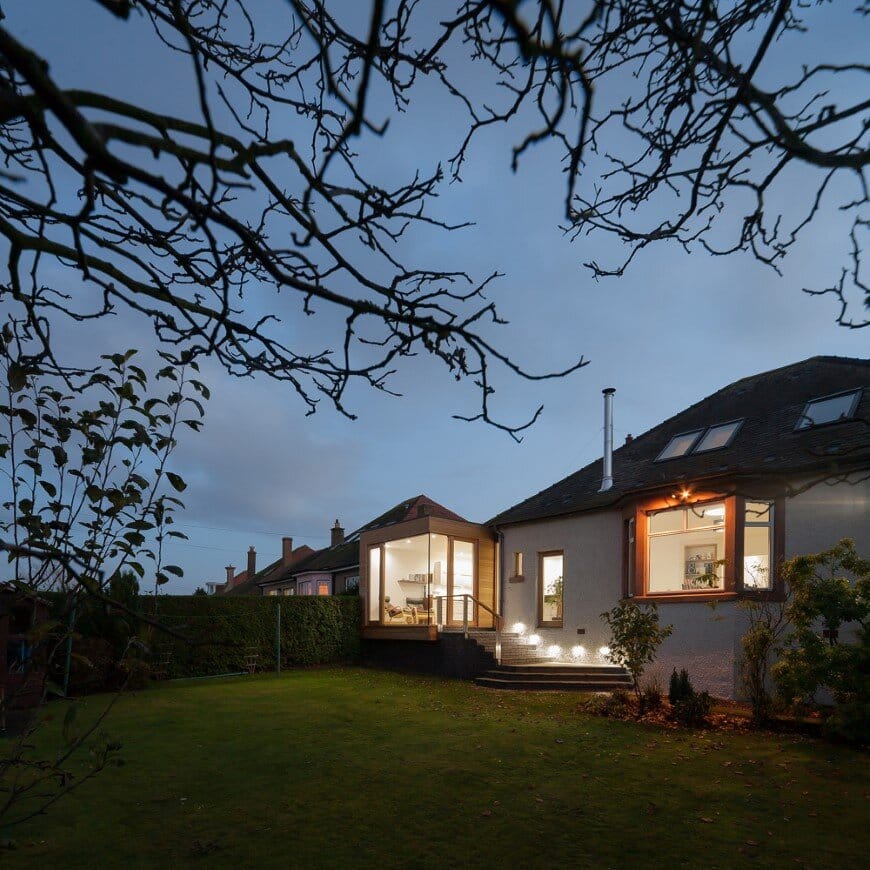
{"x": 271, "y": 573}
{"x": 767, "y": 444}
{"x": 346, "y": 554}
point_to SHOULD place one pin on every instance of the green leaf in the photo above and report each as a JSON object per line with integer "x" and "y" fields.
{"x": 177, "y": 482}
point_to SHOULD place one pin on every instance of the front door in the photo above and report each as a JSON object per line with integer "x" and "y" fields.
{"x": 461, "y": 581}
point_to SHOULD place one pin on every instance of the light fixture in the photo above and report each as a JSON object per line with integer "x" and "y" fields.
{"x": 534, "y": 639}
{"x": 518, "y": 628}
{"x": 604, "y": 652}
{"x": 554, "y": 650}
{"x": 684, "y": 494}
{"x": 578, "y": 652}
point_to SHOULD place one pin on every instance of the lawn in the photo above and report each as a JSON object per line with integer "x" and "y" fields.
{"x": 333, "y": 767}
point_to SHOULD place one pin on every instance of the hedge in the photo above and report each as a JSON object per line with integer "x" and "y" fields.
{"x": 226, "y": 630}
{"x": 220, "y": 633}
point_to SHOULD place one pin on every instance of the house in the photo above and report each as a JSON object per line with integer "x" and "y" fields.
{"x": 248, "y": 582}
{"x": 330, "y": 571}
{"x": 694, "y": 515}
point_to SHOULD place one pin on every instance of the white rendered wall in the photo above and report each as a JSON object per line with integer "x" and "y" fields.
{"x": 705, "y": 640}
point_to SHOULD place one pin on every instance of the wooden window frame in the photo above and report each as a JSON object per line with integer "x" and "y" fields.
{"x": 554, "y": 623}
{"x": 636, "y": 587}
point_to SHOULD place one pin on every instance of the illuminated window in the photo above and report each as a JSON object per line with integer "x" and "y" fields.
{"x": 550, "y": 588}
{"x": 686, "y": 548}
{"x": 758, "y": 545}
{"x": 829, "y": 409}
{"x": 679, "y": 445}
{"x": 718, "y": 436}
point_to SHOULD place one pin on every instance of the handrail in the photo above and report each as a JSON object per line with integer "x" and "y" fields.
{"x": 496, "y": 618}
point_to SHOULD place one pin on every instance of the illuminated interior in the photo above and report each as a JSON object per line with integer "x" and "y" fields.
{"x": 552, "y": 569}
{"x": 414, "y": 580}
{"x": 758, "y": 545}
{"x": 686, "y": 549}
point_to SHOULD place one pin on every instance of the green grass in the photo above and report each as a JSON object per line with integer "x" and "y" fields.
{"x": 353, "y": 767}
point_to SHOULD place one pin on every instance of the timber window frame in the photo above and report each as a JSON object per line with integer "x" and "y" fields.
{"x": 543, "y": 620}
{"x": 636, "y": 551}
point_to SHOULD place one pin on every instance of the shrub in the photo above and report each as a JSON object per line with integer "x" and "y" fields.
{"x": 768, "y": 621}
{"x": 693, "y": 709}
{"x": 651, "y": 696}
{"x": 680, "y": 686}
{"x": 635, "y": 638}
{"x": 830, "y": 590}
{"x": 613, "y": 704}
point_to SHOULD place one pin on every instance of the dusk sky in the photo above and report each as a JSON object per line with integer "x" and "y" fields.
{"x": 677, "y": 327}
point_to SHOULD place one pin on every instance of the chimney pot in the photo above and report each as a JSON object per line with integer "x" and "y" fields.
{"x": 286, "y": 551}
{"x": 252, "y": 562}
{"x": 337, "y": 535}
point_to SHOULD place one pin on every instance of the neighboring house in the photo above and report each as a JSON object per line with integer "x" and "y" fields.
{"x": 700, "y": 510}
{"x": 248, "y": 582}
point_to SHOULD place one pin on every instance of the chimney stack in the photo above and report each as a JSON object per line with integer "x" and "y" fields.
{"x": 629, "y": 438}
{"x": 607, "y": 479}
{"x": 286, "y": 551}
{"x": 337, "y": 535}
{"x": 231, "y": 573}
{"x": 252, "y": 562}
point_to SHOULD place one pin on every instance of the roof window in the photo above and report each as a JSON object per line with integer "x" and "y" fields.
{"x": 829, "y": 409}
{"x": 679, "y": 445}
{"x": 720, "y": 435}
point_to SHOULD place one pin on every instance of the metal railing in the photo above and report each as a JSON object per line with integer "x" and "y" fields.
{"x": 466, "y": 600}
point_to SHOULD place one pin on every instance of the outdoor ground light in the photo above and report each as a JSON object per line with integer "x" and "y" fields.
{"x": 604, "y": 652}
{"x": 519, "y": 628}
{"x": 578, "y": 652}
{"x": 554, "y": 650}
{"x": 534, "y": 639}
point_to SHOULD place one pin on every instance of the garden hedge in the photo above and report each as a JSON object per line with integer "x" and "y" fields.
{"x": 219, "y": 634}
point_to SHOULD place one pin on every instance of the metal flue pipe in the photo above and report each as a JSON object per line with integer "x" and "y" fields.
{"x": 607, "y": 479}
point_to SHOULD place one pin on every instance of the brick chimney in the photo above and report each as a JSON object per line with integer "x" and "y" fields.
{"x": 629, "y": 438}
{"x": 252, "y": 562}
{"x": 286, "y": 551}
{"x": 231, "y": 573}
{"x": 337, "y": 535}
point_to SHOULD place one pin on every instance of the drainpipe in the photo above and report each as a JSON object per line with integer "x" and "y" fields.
{"x": 500, "y": 602}
{"x": 607, "y": 479}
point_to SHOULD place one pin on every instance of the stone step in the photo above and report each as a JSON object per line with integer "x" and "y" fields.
{"x": 560, "y": 668}
{"x": 539, "y": 674}
{"x": 523, "y": 685}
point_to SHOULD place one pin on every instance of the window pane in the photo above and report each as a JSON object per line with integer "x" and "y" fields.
{"x": 718, "y": 436}
{"x": 406, "y": 579}
{"x": 551, "y": 592}
{"x": 374, "y": 581}
{"x": 756, "y": 557}
{"x": 706, "y": 516}
{"x": 679, "y": 445}
{"x": 758, "y": 511}
{"x": 666, "y": 521}
{"x": 828, "y": 410}
{"x": 686, "y": 562}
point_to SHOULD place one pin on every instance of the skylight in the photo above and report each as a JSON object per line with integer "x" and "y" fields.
{"x": 829, "y": 409}
{"x": 679, "y": 445}
{"x": 718, "y": 436}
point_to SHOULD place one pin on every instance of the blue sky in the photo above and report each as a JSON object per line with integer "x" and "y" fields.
{"x": 674, "y": 329}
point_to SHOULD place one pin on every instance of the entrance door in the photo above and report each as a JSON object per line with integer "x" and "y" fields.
{"x": 461, "y": 581}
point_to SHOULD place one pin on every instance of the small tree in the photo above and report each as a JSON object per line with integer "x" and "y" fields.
{"x": 768, "y": 622}
{"x": 830, "y": 590}
{"x": 635, "y": 638}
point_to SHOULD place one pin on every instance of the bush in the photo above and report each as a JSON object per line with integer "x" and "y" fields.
{"x": 830, "y": 591}
{"x": 651, "y": 697}
{"x": 680, "y": 687}
{"x": 218, "y": 634}
{"x": 635, "y": 636}
{"x": 613, "y": 704}
{"x": 693, "y": 709}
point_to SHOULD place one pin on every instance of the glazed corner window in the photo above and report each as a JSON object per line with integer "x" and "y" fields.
{"x": 758, "y": 545}
{"x": 686, "y": 549}
{"x": 518, "y": 565}
{"x": 829, "y": 409}
{"x": 550, "y": 587}
{"x": 679, "y": 445}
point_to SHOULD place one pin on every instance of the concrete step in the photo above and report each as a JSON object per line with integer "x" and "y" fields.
{"x": 557, "y": 676}
{"x": 523, "y": 685}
